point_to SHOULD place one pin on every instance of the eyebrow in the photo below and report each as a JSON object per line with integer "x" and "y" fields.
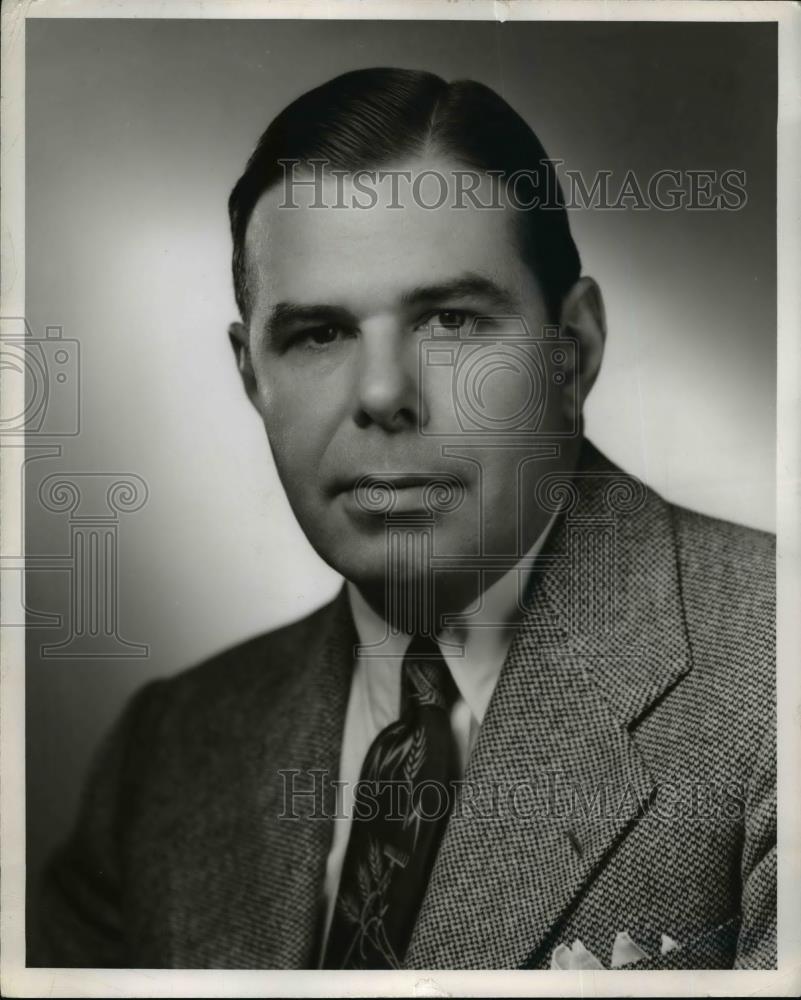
{"x": 465, "y": 286}
{"x": 286, "y": 314}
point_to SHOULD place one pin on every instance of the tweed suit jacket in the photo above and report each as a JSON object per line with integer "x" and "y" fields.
{"x": 623, "y": 777}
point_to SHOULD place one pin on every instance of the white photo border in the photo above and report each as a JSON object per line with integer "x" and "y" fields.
{"x": 15, "y": 979}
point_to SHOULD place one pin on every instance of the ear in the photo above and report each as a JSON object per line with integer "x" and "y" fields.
{"x": 240, "y": 342}
{"x": 583, "y": 318}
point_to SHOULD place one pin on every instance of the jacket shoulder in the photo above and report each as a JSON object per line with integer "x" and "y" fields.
{"x": 270, "y": 658}
{"x": 728, "y": 590}
{"x": 726, "y": 569}
{"x": 225, "y": 692}
{"x": 709, "y": 542}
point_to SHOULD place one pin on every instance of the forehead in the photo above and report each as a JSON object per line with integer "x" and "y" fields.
{"x": 318, "y": 245}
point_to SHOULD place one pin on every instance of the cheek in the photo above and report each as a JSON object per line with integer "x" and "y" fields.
{"x": 292, "y": 429}
{"x": 300, "y": 416}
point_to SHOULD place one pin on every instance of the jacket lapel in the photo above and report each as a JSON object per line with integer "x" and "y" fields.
{"x": 602, "y": 638}
{"x": 261, "y": 870}
{"x": 308, "y": 740}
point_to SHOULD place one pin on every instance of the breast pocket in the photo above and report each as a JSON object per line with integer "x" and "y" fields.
{"x": 713, "y": 949}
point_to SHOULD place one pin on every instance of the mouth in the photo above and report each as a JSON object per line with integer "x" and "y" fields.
{"x": 370, "y": 481}
{"x": 394, "y": 480}
{"x": 381, "y": 493}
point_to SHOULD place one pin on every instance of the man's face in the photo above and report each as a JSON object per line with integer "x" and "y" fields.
{"x": 346, "y": 302}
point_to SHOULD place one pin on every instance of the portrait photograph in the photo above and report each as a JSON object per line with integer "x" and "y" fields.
{"x": 400, "y": 461}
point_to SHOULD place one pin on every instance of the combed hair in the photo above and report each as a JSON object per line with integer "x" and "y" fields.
{"x": 365, "y": 119}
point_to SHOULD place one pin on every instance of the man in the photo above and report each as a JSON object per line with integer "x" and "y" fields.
{"x": 535, "y": 730}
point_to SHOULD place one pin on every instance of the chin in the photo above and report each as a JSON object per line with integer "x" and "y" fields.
{"x": 361, "y": 552}
{"x": 366, "y": 564}
{"x": 361, "y": 560}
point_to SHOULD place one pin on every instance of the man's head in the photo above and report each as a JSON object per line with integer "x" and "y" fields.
{"x": 364, "y": 259}
{"x": 371, "y": 118}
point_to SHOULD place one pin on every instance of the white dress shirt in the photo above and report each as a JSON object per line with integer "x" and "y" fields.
{"x": 375, "y": 693}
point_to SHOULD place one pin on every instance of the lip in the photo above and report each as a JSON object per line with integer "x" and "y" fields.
{"x": 398, "y": 481}
{"x": 365, "y": 505}
{"x": 395, "y": 480}
{"x": 376, "y": 496}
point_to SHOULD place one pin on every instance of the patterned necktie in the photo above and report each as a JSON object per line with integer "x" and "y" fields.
{"x": 401, "y": 809}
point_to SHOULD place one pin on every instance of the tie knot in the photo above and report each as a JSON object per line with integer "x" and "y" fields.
{"x": 426, "y": 679}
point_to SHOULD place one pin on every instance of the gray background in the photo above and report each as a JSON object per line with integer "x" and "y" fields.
{"x": 136, "y": 131}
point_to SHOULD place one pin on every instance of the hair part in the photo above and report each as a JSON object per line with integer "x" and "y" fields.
{"x": 368, "y": 118}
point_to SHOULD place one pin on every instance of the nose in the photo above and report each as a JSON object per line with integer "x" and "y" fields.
{"x": 388, "y": 393}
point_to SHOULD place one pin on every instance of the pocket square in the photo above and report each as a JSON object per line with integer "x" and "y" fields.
{"x": 575, "y": 959}
{"x": 625, "y": 952}
{"x": 668, "y": 944}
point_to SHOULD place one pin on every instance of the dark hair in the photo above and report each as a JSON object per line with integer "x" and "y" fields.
{"x": 367, "y": 118}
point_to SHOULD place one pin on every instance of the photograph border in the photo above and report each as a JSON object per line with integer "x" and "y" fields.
{"x": 15, "y": 979}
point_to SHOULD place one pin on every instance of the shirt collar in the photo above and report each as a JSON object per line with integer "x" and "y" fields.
{"x": 475, "y": 653}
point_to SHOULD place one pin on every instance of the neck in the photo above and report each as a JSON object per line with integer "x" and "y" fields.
{"x": 414, "y": 602}
{"x": 420, "y": 605}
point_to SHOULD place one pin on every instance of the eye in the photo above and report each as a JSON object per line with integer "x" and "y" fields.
{"x": 320, "y": 336}
{"x": 451, "y": 319}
